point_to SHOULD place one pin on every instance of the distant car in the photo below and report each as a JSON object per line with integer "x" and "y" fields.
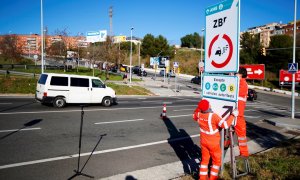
{"x": 252, "y": 94}
{"x": 196, "y": 80}
{"x": 123, "y": 68}
{"x": 142, "y": 73}
{"x": 170, "y": 74}
{"x": 135, "y": 69}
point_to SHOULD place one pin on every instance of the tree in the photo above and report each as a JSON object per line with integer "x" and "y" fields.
{"x": 57, "y": 48}
{"x": 251, "y": 48}
{"x": 9, "y": 48}
{"x": 191, "y": 41}
{"x": 153, "y": 46}
{"x": 280, "y": 53}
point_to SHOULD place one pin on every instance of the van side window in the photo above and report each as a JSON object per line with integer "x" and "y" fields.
{"x": 79, "y": 82}
{"x": 59, "y": 81}
{"x": 43, "y": 79}
{"x": 96, "y": 83}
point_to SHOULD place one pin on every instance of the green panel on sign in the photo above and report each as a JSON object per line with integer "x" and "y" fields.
{"x": 218, "y": 7}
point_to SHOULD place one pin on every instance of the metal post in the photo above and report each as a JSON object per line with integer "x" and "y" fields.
{"x": 42, "y": 39}
{"x": 294, "y": 57}
{"x": 130, "y": 68}
{"x": 139, "y": 54}
{"x": 201, "y": 57}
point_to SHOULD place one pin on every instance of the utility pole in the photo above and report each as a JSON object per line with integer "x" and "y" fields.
{"x": 110, "y": 21}
{"x": 42, "y": 38}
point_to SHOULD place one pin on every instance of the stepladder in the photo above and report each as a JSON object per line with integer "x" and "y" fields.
{"x": 229, "y": 144}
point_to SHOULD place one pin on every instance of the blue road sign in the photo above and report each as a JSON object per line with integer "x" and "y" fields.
{"x": 293, "y": 67}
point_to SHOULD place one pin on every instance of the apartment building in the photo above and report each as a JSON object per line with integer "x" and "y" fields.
{"x": 31, "y": 43}
{"x": 267, "y": 31}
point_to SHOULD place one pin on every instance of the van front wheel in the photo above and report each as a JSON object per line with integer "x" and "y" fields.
{"x": 106, "y": 101}
{"x": 59, "y": 102}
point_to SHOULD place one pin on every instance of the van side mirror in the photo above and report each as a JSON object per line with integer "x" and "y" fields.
{"x": 104, "y": 86}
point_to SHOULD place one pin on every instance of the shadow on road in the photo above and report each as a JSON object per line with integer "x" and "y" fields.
{"x": 28, "y": 124}
{"x": 184, "y": 148}
{"x": 266, "y": 138}
{"x": 16, "y": 107}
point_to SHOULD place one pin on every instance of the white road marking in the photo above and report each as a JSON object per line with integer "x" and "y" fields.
{"x": 150, "y": 101}
{"x": 252, "y": 116}
{"x": 88, "y": 110}
{"x": 183, "y": 109}
{"x": 180, "y": 116}
{"x": 111, "y": 122}
{"x": 25, "y": 129}
{"x": 96, "y": 152}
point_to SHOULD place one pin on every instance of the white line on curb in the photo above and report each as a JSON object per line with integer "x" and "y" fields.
{"x": 25, "y": 129}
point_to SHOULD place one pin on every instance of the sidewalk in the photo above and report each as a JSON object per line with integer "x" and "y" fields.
{"x": 261, "y": 143}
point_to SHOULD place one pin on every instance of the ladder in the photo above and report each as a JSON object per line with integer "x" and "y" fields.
{"x": 229, "y": 135}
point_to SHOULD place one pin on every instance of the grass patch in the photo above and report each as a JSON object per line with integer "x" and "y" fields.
{"x": 282, "y": 162}
{"x": 126, "y": 90}
{"x": 14, "y": 84}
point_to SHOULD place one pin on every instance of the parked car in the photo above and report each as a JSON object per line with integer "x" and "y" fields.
{"x": 196, "y": 80}
{"x": 252, "y": 94}
{"x": 140, "y": 73}
{"x": 135, "y": 69}
{"x": 123, "y": 68}
{"x": 170, "y": 74}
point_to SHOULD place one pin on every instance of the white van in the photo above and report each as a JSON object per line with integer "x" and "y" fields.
{"x": 60, "y": 89}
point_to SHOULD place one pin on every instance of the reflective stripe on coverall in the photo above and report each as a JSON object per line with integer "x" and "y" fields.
{"x": 240, "y": 127}
{"x": 210, "y": 141}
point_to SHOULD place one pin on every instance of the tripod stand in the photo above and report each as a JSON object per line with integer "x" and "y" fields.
{"x": 77, "y": 171}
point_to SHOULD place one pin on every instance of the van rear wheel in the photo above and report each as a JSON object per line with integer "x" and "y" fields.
{"x": 106, "y": 101}
{"x": 59, "y": 102}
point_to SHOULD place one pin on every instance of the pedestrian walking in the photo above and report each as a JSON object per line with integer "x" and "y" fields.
{"x": 210, "y": 123}
{"x": 125, "y": 78}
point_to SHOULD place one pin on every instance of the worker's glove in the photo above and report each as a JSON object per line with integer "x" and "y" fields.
{"x": 235, "y": 112}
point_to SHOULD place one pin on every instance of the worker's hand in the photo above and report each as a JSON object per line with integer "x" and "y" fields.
{"x": 235, "y": 112}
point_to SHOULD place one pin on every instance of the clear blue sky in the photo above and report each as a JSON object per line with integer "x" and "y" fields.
{"x": 171, "y": 18}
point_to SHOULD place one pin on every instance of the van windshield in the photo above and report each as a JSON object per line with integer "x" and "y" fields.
{"x": 43, "y": 79}
{"x": 97, "y": 83}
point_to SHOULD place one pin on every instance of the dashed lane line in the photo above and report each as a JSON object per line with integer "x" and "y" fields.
{"x": 122, "y": 121}
{"x": 90, "y": 110}
{"x": 96, "y": 152}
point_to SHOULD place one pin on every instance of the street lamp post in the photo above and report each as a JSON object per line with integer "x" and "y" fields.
{"x": 42, "y": 39}
{"x": 130, "y": 68}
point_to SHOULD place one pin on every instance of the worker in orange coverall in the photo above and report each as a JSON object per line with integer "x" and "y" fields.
{"x": 210, "y": 123}
{"x": 240, "y": 127}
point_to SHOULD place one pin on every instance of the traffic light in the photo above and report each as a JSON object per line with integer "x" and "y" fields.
{"x": 263, "y": 51}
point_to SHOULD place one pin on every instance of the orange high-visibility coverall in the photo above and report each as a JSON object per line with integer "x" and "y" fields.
{"x": 240, "y": 127}
{"x": 210, "y": 141}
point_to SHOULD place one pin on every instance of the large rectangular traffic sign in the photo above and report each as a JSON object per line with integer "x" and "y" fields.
{"x": 255, "y": 71}
{"x": 222, "y": 37}
{"x": 220, "y": 87}
{"x": 222, "y": 108}
{"x": 285, "y": 76}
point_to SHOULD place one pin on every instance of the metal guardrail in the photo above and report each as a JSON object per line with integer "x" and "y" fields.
{"x": 8, "y": 72}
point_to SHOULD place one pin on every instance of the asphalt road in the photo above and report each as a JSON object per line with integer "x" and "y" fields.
{"x": 41, "y": 142}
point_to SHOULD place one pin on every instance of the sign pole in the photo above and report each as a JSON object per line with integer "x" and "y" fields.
{"x": 294, "y": 61}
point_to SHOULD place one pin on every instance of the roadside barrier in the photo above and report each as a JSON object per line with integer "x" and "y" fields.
{"x": 163, "y": 115}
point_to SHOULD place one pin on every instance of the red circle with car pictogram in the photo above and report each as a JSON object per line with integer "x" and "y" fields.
{"x": 219, "y": 51}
